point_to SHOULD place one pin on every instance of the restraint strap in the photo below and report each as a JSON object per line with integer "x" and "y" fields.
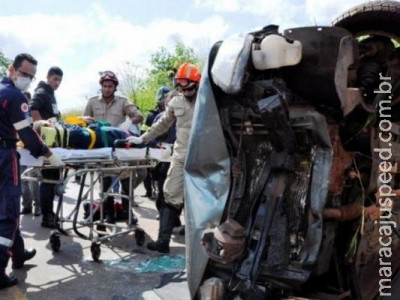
{"x": 92, "y": 138}
{"x": 58, "y": 138}
{"x": 65, "y": 138}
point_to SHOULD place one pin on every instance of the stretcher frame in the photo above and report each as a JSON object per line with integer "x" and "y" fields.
{"x": 96, "y": 168}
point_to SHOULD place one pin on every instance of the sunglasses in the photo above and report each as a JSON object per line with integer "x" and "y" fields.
{"x": 24, "y": 74}
{"x": 181, "y": 82}
{"x": 189, "y": 89}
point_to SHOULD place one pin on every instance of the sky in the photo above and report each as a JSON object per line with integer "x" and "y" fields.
{"x": 84, "y": 37}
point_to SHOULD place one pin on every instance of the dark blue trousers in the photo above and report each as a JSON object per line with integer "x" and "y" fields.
{"x": 47, "y": 191}
{"x": 11, "y": 242}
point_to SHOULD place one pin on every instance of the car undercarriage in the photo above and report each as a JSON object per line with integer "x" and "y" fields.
{"x": 311, "y": 128}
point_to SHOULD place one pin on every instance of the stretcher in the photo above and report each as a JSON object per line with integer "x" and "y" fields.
{"x": 92, "y": 166}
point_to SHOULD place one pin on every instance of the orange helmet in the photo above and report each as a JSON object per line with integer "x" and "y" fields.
{"x": 186, "y": 74}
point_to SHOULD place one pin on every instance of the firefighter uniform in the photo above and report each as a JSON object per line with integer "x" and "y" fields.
{"x": 14, "y": 119}
{"x": 115, "y": 113}
{"x": 181, "y": 110}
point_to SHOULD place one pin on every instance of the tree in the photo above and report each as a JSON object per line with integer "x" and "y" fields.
{"x": 134, "y": 83}
{"x": 4, "y": 63}
{"x": 164, "y": 61}
{"x": 141, "y": 85}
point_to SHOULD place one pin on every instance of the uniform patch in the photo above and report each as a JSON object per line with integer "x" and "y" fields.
{"x": 24, "y": 107}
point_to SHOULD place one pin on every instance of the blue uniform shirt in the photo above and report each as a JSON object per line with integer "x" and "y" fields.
{"x": 15, "y": 118}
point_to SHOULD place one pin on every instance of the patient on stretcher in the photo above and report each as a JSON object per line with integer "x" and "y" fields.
{"x": 96, "y": 134}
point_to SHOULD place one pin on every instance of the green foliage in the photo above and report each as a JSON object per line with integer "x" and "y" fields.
{"x": 4, "y": 63}
{"x": 166, "y": 62}
{"x": 144, "y": 97}
{"x": 141, "y": 85}
{"x": 134, "y": 85}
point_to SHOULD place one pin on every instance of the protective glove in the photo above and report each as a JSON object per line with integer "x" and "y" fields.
{"x": 37, "y": 125}
{"x": 135, "y": 140}
{"x": 52, "y": 120}
{"x": 55, "y": 160}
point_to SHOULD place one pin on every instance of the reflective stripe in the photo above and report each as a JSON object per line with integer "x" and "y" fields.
{"x": 188, "y": 71}
{"x": 6, "y": 242}
{"x": 22, "y": 124}
{"x": 92, "y": 138}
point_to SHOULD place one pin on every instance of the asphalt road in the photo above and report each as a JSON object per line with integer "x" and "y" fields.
{"x": 125, "y": 270}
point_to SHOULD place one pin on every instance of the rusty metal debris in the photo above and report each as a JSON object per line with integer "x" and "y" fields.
{"x": 226, "y": 243}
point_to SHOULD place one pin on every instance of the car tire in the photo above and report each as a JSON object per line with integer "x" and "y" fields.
{"x": 372, "y": 17}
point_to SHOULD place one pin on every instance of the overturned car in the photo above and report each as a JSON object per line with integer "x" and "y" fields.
{"x": 291, "y": 176}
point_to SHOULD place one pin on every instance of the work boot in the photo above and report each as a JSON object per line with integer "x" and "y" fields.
{"x": 7, "y": 281}
{"x": 159, "y": 245}
{"x": 18, "y": 263}
{"x": 26, "y": 211}
{"x": 168, "y": 216}
{"x": 48, "y": 221}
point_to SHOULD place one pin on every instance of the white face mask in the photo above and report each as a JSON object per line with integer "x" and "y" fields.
{"x": 22, "y": 83}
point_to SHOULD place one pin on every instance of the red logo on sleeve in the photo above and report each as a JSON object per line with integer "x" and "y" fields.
{"x": 24, "y": 107}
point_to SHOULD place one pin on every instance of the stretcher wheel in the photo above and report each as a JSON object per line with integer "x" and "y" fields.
{"x": 55, "y": 242}
{"x": 140, "y": 236}
{"x": 96, "y": 251}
